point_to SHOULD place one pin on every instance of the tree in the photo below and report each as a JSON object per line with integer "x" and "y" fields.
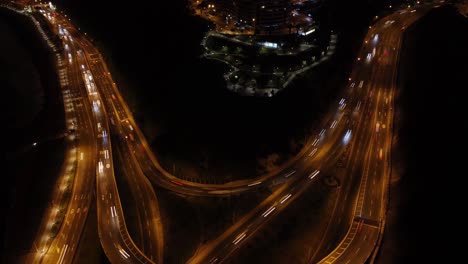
{"x": 269, "y": 163}
{"x": 263, "y": 50}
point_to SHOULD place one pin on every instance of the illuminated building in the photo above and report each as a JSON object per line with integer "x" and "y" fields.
{"x": 257, "y": 16}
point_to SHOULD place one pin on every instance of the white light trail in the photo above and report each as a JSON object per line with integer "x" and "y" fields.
{"x": 267, "y": 212}
{"x": 313, "y": 174}
{"x": 285, "y": 198}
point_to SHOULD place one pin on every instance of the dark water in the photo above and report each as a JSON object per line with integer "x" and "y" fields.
{"x": 426, "y": 204}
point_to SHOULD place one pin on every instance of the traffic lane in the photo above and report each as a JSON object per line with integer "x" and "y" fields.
{"x": 382, "y": 158}
{"x": 377, "y": 110}
{"x": 147, "y": 205}
{"x": 104, "y": 173}
{"x": 113, "y": 253}
{"x": 145, "y": 208}
{"x": 153, "y": 220}
{"x": 83, "y": 184}
{"x": 111, "y": 222}
{"x": 360, "y": 248}
{"x": 263, "y": 214}
{"x": 368, "y": 170}
{"x": 353, "y": 165}
{"x": 107, "y": 177}
{"x": 365, "y": 138}
{"x": 365, "y": 124}
{"x": 242, "y": 223}
{"x": 109, "y": 231}
{"x": 374, "y": 189}
{"x": 235, "y": 240}
{"x": 110, "y": 217}
{"x": 71, "y": 228}
{"x": 75, "y": 231}
{"x": 373, "y": 194}
{"x": 345, "y": 204}
{"x": 353, "y": 194}
{"x": 141, "y": 238}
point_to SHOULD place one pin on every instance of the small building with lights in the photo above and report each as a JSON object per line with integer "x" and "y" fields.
{"x": 267, "y": 43}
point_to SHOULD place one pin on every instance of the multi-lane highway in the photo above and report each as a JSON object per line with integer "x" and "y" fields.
{"x": 128, "y": 131}
{"x": 95, "y": 165}
{"x": 75, "y": 186}
{"x": 113, "y": 232}
{"x": 359, "y": 123}
{"x": 368, "y": 212}
{"x": 144, "y": 197}
{"x": 64, "y": 246}
{"x": 361, "y": 202}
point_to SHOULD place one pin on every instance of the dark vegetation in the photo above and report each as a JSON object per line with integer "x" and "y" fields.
{"x": 33, "y": 112}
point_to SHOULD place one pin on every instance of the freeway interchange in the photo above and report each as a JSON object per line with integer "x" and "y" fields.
{"x": 358, "y": 125}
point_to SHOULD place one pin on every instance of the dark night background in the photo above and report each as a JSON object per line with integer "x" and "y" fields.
{"x": 180, "y": 100}
{"x": 153, "y": 49}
